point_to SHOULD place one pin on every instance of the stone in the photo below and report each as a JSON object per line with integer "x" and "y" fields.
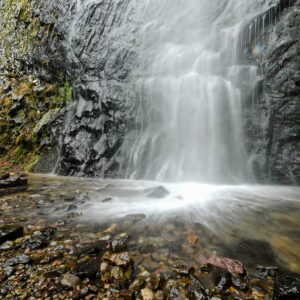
{"x": 52, "y": 274}
{"x": 104, "y": 267}
{"x": 35, "y": 243}
{"x": 19, "y": 259}
{"x": 16, "y": 106}
{"x": 88, "y": 268}
{"x": 267, "y": 271}
{"x": 117, "y": 273}
{"x": 119, "y": 243}
{"x": 231, "y": 265}
{"x": 183, "y": 270}
{"x": 134, "y": 218}
{"x": 287, "y": 286}
{"x": 241, "y": 284}
{"x": 108, "y": 199}
{"x": 40, "y": 239}
{"x": 224, "y": 282}
{"x": 13, "y": 181}
{"x": 147, "y": 294}
{"x": 70, "y": 280}
{"x": 10, "y": 233}
{"x": 4, "y": 176}
{"x": 9, "y": 271}
{"x": 175, "y": 294}
{"x": 45, "y": 121}
{"x": 9, "y": 245}
{"x": 157, "y": 192}
{"x": 122, "y": 259}
{"x": 248, "y": 248}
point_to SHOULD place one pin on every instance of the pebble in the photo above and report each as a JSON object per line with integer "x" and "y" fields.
{"x": 147, "y": 294}
{"x": 70, "y": 280}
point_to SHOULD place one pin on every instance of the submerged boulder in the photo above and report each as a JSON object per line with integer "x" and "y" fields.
{"x": 157, "y": 192}
{"x": 13, "y": 181}
{"x": 10, "y": 233}
{"x": 287, "y": 287}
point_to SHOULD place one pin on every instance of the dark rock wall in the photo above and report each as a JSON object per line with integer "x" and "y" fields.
{"x": 272, "y": 114}
{"x": 98, "y": 40}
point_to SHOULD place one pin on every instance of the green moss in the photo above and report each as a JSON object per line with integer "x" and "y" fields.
{"x": 64, "y": 95}
{"x": 19, "y": 37}
{"x": 18, "y": 33}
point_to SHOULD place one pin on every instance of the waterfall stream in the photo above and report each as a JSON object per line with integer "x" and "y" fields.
{"x": 160, "y": 88}
{"x": 190, "y": 87}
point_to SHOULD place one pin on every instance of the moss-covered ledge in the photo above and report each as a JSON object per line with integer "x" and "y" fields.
{"x": 29, "y": 105}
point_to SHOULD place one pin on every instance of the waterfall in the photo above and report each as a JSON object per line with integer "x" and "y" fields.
{"x": 189, "y": 96}
{"x": 160, "y": 87}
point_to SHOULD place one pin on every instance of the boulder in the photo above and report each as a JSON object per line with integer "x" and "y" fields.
{"x": 10, "y": 233}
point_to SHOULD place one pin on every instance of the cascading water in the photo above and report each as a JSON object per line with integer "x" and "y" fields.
{"x": 189, "y": 87}
{"x": 159, "y": 87}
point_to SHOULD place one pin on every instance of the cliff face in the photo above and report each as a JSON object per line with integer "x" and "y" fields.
{"x": 273, "y": 113}
{"x": 98, "y": 66}
{"x": 66, "y": 101}
{"x": 33, "y": 89}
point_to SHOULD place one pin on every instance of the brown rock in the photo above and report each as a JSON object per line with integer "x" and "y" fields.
{"x": 70, "y": 280}
{"x": 192, "y": 239}
{"x": 231, "y": 265}
{"x": 147, "y": 294}
{"x": 122, "y": 259}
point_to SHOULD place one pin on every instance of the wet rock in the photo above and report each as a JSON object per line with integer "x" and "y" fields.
{"x": 9, "y": 271}
{"x": 267, "y": 271}
{"x": 13, "y": 181}
{"x": 19, "y": 259}
{"x": 175, "y": 294}
{"x": 150, "y": 264}
{"x": 35, "y": 243}
{"x": 72, "y": 207}
{"x": 70, "y": 280}
{"x": 157, "y": 192}
{"x": 194, "y": 294}
{"x": 133, "y": 218}
{"x": 231, "y": 265}
{"x": 250, "y": 248}
{"x": 183, "y": 270}
{"x": 4, "y": 176}
{"x": 159, "y": 295}
{"x": 7, "y": 246}
{"x": 10, "y": 233}
{"x": 147, "y": 294}
{"x": 109, "y": 199}
{"x": 93, "y": 249}
{"x": 47, "y": 118}
{"x": 117, "y": 273}
{"x": 241, "y": 284}
{"x": 126, "y": 294}
{"x": 136, "y": 284}
{"x": 18, "y": 105}
{"x": 40, "y": 238}
{"x": 52, "y": 274}
{"x": 104, "y": 267}
{"x": 3, "y": 290}
{"x": 118, "y": 259}
{"x": 119, "y": 243}
{"x": 287, "y": 287}
{"x": 88, "y": 269}
{"x": 192, "y": 239}
{"x": 224, "y": 282}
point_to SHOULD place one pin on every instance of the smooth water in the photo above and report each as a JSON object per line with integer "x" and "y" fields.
{"x": 256, "y": 224}
{"x": 190, "y": 87}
